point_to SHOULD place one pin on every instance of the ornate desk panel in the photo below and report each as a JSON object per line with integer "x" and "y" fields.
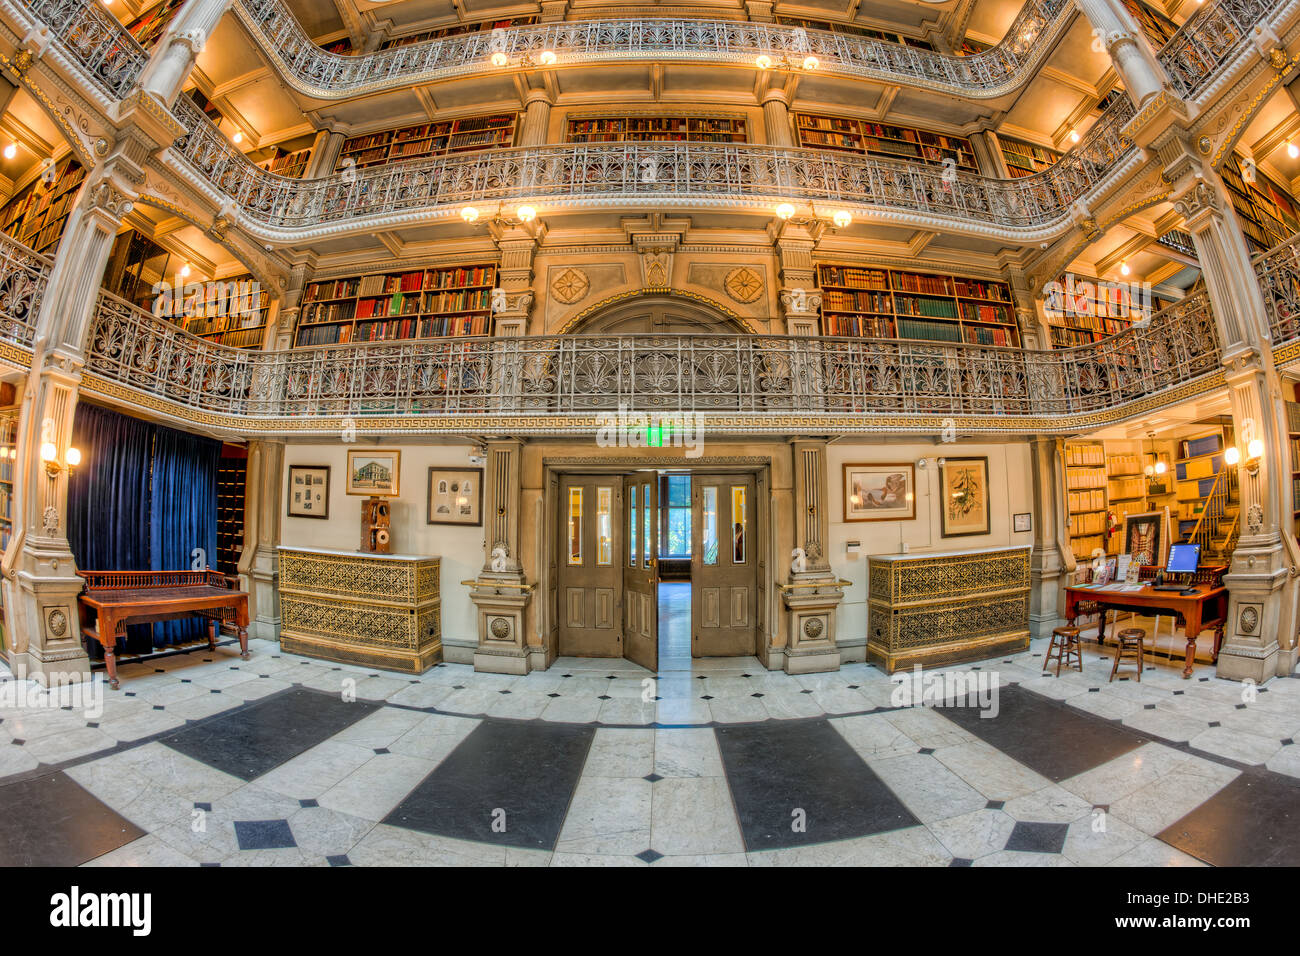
{"x": 378, "y": 610}
{"x": 945, "y": 608}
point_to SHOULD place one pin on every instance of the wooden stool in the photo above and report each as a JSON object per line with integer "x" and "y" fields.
{"x": 1129, "y": 647}
{"x": 1065, "y": 644}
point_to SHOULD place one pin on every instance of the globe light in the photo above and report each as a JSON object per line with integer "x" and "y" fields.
{"x": 1161, "y": 468}
{"x": 841, "y": 218}
{"x": 469, "y": 214}
{"x": 1232, "y": 454}
{"x": 784, "y": 211}
{"x": 74, "y": 457}
{"x": 499, "y": 59}
{"x": 1255, "y": 449}
{"x": 185, "y": 271}
{"x": 1074, "y": 136}
{"x": 237, "y": 138}
{"x": 48, "y": 451}
{"x": 11, "y": 151}
{"x": 1292, "y": 150}
{"x": 811, "y": 62}
{"x": 547, "y": 57}
{"x": 1124, "y": 269}
{"x": 526, "y": 213}
{"x": 763, "y": 61}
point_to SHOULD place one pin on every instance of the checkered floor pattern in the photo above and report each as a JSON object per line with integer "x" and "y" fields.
{"x": 202, "y": 759}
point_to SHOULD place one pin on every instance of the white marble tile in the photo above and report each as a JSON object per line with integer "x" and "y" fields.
{"x": 572, "y": 710}
{"x": 608, "y": 815}
{"x": 988, "y": 770}
{"x": 1020, "y": 859}
{"x": 1236, "y": 745}
{"x": 627, "y": 710}
{"x": 687, "y": 752}
{"x": 738, "y": 710}
{"x": 617, "y": 752}
{"x": 56, "y": 748}
{"x": 315, "y": 771}
{"x": 928, "y": 788}
{"x": 874, "y": 736}
{"x": 146, "y": 851}
{"x": 969, "y": 836}
{"x": 379, "y": 728}
{"x": 912, "y": 846}
{"x": 1166, "y": 724}
{"x": 434, "y": 737}
{"x": 519, "y": 706}
{"x": 1286, "y": 760}
{"x": 377, "y": 786}
{"x": 396, "y": 846}
{"x": 1152, "y": 852}
{"x": 1099, "y": 838}
{"x": 1174, "y": 795}
{"x": 694, "y": 815}
{"x": 1051, "y": 804}
{"x": 928, "y": 728}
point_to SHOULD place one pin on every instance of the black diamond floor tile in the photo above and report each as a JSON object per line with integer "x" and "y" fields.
{"x": 256, "y": 739}
{"x": 1038, "y": 837}
{"x": 264, "y": 834}
{"x": 788, "y": 772}
{"x": 51, "y": 821}
{"x": 517, "y": 776}
{"x": 1046, "y": 736}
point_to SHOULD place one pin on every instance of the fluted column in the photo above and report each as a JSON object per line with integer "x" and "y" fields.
{"x": 776, "y": 118}
{"x": 500, "y": 592}
{"x": 325, "y": 155}
{"x": 174, "y": 57}
{"x": 259, "y": 564}
{"x": 537, "y": 119}
{"x": 1127, "y": 47}
{"x": 1259, "y": 638}
{"x": 1046, "y": 560}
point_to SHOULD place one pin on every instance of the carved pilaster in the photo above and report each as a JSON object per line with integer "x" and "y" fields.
{"x": 259, "y": 564}
{"x": 500, "y": 591}
{"x": 1045, "y": 560}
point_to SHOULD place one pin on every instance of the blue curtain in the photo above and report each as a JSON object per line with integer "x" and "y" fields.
{"x": 184, "y": 518}
{"x": 108, "y": 500}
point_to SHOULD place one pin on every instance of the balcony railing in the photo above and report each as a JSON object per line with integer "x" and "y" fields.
{"x": 1278, "y": 271}
{"x": 651, "y": 173}
{"x": 541, "y": 377}
{"x": 94, "y": 39}
{"x": 23, "y": 277}
{"x": 1210, "y": 39}
{"x": 320, "y": 74}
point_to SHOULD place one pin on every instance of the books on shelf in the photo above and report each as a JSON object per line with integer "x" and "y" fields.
{"x": 657, "y": 129}
{"x": 496, "y": 131}
{"x": 881, "y": 139}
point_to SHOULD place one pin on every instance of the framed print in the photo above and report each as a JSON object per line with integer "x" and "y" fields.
{"x": 880, "y": 492}
{"x": 374, "y": 471}
{"x": 309, "y": 491}
{"x": 1146, "y": 537}
{"x": 1024, "y": 522}
{"x": 964, "y": 497}
{"x": 456, "y": 496}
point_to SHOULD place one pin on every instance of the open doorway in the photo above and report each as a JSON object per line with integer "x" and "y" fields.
{"x": 658, "y": 566}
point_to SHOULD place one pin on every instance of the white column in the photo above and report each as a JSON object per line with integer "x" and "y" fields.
{"x": 173, "y": 59}
{"x": 1128, "y": 48}
{"x": 776, "y": 118}
{"x": 537, "y": 119}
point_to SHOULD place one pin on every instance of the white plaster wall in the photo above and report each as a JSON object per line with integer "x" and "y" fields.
{"x": 1009, "y": 490}
{"x": 460, "y": 548}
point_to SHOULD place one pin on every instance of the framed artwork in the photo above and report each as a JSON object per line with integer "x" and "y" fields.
{"x": 1024, "y": 522}
{"x": 309, "y": 491}
{"x": 964, "y": 497}
{"x": 1146, "y": 537}
{"x": 880, "y": 492}
{"x": 456, "y": 496}
{"x": 374, "y": 471}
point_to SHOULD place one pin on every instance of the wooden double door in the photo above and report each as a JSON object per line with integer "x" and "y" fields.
{"x": 608, "y": 566}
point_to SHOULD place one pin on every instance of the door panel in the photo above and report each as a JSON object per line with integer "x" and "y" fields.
{"x": 640, "y": 570}
{"x": 724, "y": 565}
{"x": 589, "y": 575}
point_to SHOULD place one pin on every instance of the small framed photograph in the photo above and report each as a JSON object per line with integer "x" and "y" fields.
{"x": 964, "y": 497}
{"x": 374, "y": 471}
{"x": 456, "y": 496}
{"x": 1024, "y": 522}
{"x": 309, "y": 491}
{"x": 885, "y": 492}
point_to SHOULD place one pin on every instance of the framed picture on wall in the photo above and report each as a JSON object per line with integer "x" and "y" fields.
{"x": 880, "y": 492}
{"x": 309, "y": 491}
{"x": 1146, "y": 537}
{"x": 374, "y": 471}
{"x": 1024, "y": 522}
{"x": 964, "y": 497}
{"x": 456, "y": 496}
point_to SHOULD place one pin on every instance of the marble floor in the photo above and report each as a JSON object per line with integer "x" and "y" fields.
{"x": 204, "y": 759}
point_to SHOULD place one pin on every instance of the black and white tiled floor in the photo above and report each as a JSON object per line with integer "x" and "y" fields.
{"x": 204, "y": 759}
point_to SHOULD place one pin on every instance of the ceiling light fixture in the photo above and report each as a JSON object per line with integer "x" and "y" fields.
{"x": 499, "y": 59}
{"x": 1292, "y": 150}
{"x": 11, "y": 151}
{"x": 1074, "y": 136}
{"x": 526, "y": 213}
{"x": 784, "y": 211}
{"x": 763, "y": 61}
{"x": 841, "y": 218}
{"x": 547, "y": 58}
{"x": 185, "y": 271}
{"x": 1124, "y": 269}
{"x": 237, "y": 138}
{"x": 469, "y": 214}
{"x": 811, "y": 62}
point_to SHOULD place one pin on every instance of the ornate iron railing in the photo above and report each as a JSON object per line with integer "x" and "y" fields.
{"x": 1209, "y": 39}
{"x": 649, "y": 173}
{"x": 1278, "y": 272}
{"x": 546, "y": 376}
{"x": 95, "y": 40}
{"x": 23, "y": 277}
{"x": 325, "y": 75}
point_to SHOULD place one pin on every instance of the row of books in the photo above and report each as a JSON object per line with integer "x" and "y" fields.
{"x": 915, "y": 282}
{"x": 981, "y": 336}
{"x": 855, "y": 278}
{"x": 401, "y": 303}
{"x": 840, "y": 301}
{"x": 1205, "y": 445}
{"x": 930, "y": 308}
{"x": 1295, "y": 494}
{"x": 1084, "y": 546}
{"x": 1127, "y": 488}
{"x": 392, "y": 330}
{"x": 1088, "y": 523}
{"x": 860, "y": 326}
{"x": 975, "y": 289}
{"x": 975, "y": 312}
{"x": 1295, "y": 454}
{"x": 1086, "y": 477}
{"x": 1124, "y": 464}
{"x": 1085, "y": 455}
{"x": 931, "y": 331}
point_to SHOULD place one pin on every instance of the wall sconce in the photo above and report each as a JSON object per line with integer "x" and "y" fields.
{"x": 840, "y": 219}
{"x": 50, "y": 455}
{"x": 1254, "y": 456}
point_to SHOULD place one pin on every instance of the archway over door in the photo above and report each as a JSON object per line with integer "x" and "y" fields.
{"x": 656, "y": 313}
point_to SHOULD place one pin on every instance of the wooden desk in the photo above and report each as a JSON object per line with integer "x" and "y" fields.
{"x": 1208, "y": 607}
{"x": 120, "y": 598}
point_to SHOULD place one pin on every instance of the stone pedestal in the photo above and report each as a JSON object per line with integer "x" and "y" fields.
{"x": 810, "y": 607}
{"x": 501, "y": 603}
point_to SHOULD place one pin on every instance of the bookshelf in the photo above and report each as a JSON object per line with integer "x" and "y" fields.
{"x": 657, "y": 129}
{"x": 817, "y": 131}
{"x": 1198, "y": 460}
{"x": 1158, "y": 27}
{"x": 8, "y": 450}
{"x": 37, "y": 214}
{"x": 1267, "y": 212}
{"x": 209, "y": 317}
{"x": 1090, "y": 314}
{"x": 1025, "y": 159}
{"x": 232, "y": 475}
{"x": 1086, "y": 481}
{"x": 457, "y": 30}
{"x": 865, "y": 302}
{"x": 289, "y": 164}
{"x": 831, "y": 26}
{"x": 1293, "y": 443}
{"x": 149, "y": 26}
{"x": 416, "y": 304}
{"x": 430, "y": 139}
{"x": 1126, "y": 490}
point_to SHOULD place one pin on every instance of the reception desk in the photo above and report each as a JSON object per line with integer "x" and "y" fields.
{"x": 943, "y": 608}
{"x": 377, "y": 610}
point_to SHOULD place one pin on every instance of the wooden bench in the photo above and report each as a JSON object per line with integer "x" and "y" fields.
{"x": 113, "y": 600}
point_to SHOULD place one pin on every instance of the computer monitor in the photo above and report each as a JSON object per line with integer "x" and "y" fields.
{"x": 1183, "y": 558}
